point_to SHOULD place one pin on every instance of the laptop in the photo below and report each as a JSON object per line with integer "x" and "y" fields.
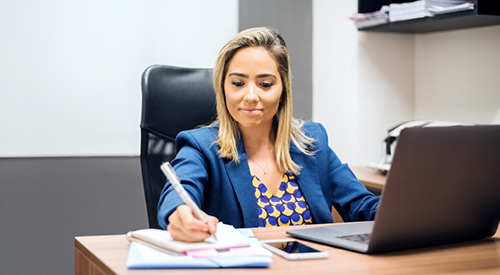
{"x": 443, "y": 187}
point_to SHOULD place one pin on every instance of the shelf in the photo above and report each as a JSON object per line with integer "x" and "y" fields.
{"x": 486, "y": 13}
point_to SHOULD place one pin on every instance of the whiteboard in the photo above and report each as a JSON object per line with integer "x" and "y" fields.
{"x": 70, "y": 71}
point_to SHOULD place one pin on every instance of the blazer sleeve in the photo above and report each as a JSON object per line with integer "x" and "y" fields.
{"x": 190, "y": 166}
{"x": 348, "y": 195}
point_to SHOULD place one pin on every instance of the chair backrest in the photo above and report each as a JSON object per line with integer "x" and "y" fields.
{"x": 173, "y": 99}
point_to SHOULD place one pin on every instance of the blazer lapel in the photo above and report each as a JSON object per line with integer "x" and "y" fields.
{"x": 310, "y": 184}
{"x": 241, "y": 180}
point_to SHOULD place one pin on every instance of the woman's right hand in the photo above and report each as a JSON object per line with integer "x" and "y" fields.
{"x": 184, "y": 226}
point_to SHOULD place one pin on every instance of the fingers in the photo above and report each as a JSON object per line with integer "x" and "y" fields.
{"x": 185, "y": 226}
{"x": 212, "y": 223}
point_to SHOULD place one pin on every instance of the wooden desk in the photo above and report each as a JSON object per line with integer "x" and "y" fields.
{"x": 107, "y": 255}
{"x": 371, "y": 178}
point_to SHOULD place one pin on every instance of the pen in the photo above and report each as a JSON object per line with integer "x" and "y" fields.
{"x": 168, "y": 170}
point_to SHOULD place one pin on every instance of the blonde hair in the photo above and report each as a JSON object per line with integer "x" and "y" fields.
{"x": 287, "y": 128}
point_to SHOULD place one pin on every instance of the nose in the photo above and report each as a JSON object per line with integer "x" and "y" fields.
{"x": 251, "y": 93}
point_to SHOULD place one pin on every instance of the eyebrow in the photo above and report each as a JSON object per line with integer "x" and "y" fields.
{"x": 258, "y": 76}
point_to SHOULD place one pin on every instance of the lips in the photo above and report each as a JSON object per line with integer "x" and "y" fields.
{"x": 251, "y": 111}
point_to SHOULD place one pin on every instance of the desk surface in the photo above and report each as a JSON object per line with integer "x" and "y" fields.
{"x": 108, "y": 254}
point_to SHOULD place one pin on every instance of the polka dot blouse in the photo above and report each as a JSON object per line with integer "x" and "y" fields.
{"x": 286, "y": 207}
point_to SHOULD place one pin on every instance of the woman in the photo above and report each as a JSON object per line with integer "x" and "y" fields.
{"x": 256, "y": 165}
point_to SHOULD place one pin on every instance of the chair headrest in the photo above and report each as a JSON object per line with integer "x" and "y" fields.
{"x": 176, "y": 99}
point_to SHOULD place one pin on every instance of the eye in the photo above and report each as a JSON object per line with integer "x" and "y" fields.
{"x": 266, "y": 84}
{"x": 237, "y": 83}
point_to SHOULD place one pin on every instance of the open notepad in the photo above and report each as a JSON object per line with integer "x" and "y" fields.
{"x": 154, "y": 248}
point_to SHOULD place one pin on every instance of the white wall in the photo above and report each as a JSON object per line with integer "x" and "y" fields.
{"x": 70, "y": 70}
{"x": 365, "y": 83}
{"x": 458, "y": 75}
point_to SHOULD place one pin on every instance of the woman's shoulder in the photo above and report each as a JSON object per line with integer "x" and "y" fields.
{"x": 313, "y": 129}
{"x": 202, "y": 135}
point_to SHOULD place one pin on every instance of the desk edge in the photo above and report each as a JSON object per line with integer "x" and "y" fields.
{"x": 91, "y": 257}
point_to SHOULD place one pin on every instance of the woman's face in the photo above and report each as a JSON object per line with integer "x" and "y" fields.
{"x": 253, "y": 87}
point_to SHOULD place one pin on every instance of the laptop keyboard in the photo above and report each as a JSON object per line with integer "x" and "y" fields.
{"x": 360, "y": 238}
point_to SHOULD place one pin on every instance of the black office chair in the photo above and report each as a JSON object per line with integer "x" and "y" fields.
{"x": 173, "y": 99}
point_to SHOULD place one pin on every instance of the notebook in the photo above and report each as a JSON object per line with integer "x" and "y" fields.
{"x": 236, "y": 248}
{"x": 227, "y": 236}
{"x": 443, "y": 187}
{"x": 145, "y": 257}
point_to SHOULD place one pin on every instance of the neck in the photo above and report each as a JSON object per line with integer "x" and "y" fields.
{"x": 257, "y": 140}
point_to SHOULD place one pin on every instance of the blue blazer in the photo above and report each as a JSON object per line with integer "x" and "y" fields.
{"x": 224, "y": 189}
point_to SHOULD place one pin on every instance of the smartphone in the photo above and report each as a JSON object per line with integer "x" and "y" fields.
{"x": 293, "y": 250}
